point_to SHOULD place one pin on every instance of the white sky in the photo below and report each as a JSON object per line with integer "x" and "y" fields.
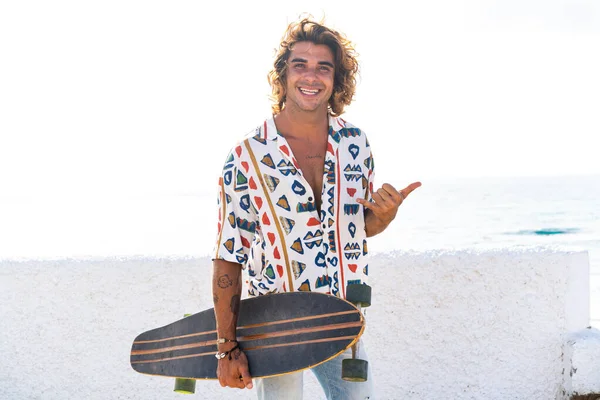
{"x": 148, "y": 96}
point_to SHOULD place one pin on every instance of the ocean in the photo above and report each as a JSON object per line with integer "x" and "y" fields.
{"x": 461, "y": 213}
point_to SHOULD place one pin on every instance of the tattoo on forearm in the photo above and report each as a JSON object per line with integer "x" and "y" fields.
{"x": 235, "y": 304}
{"x": 224, "y": 281}
{"x": 215, "y": 299}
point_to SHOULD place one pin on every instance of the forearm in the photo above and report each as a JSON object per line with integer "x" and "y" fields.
{"x": 374, "y": 225}
{"x": 227, "y": 290}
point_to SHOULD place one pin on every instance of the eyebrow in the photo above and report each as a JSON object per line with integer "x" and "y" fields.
{"x": 297, "y": 59}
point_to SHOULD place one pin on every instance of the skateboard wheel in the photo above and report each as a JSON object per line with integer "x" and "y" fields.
{"x": 185, "y": 386}
{"x": 359, "y": 294}
{"x": 354, "y": 370}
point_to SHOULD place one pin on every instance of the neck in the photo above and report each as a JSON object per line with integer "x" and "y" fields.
{"x": 291, "y": 123}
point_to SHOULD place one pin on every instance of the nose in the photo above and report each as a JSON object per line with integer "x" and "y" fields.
{"x": 310, "y": 74}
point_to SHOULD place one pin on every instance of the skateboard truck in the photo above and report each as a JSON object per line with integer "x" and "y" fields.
{"x": 183, "y": 385}
{"x": 354, "y": 369}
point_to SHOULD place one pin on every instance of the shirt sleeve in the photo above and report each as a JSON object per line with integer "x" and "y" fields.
{"x": 237, "y": 218}
{"x": 370, "y": 171}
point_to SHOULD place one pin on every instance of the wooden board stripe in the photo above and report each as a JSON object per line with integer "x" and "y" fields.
{"x": 241, "y": 328}
{"x": 212, "y": 353}
{"x": 322, "y": 328}
{"x": 254, "y": 337}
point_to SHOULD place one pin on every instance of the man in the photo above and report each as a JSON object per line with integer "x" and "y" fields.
{"x": 296, "y": 202}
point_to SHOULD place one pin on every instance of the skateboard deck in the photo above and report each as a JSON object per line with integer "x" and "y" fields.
{"x": 279, "y": 333}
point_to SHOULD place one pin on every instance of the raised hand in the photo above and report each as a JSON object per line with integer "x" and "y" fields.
{"x": 382, "y": 210}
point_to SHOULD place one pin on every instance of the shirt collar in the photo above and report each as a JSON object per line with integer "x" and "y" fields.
{"x": 269, "y": 131}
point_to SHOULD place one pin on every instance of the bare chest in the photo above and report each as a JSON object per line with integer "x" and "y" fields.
{"x": 311, "y": 160}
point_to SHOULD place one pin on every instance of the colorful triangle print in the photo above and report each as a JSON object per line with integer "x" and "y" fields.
{"x": 271, "y": 182}
{"x": 298, "y": 268}
{"x": 287, "y": 224}
{"x": 268, "y": 161}
{"x": 283, "y": 203}
{"x": 297, "y": 246}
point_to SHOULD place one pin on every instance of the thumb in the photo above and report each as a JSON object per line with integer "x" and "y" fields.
{"x": 246, "y": 378}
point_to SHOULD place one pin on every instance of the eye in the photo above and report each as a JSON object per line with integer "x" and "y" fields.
{"x": 298, "y": 66}
{"x": 324, "y": 68}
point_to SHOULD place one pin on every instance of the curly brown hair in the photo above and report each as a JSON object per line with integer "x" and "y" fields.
{"x": 345, "y": 60}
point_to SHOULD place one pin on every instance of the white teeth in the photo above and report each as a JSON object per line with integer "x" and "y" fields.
{"x": 308, "y": 91}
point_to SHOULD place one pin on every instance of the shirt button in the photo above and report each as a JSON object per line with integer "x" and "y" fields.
{"x": 324, "y": 226}
{"x": 310, "y": 199}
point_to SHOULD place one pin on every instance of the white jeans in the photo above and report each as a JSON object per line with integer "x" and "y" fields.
{"x": 329, "y": 375}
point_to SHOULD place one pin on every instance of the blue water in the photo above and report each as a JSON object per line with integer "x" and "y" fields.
{"x": 502, "y": 212}
{"x": 442, "y": 214}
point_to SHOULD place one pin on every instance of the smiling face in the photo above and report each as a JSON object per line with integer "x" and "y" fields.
{"x": 310, "y": 77}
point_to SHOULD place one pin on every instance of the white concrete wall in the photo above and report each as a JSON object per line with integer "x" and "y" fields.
{"x": 583, "y": 351}
{"x": 451, "y": 325}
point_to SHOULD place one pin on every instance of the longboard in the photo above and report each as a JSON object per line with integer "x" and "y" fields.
{"x": 279, "y": 333}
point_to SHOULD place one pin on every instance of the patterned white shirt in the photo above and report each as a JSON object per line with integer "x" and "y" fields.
{"x": 268, "y": 219}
